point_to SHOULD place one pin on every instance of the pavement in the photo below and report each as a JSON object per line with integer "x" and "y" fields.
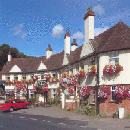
{"x": 91, "y": 122}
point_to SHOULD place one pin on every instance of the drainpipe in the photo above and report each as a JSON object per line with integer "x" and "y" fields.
{"x": 27, "y": 92}
{"x": 97, "y": 87}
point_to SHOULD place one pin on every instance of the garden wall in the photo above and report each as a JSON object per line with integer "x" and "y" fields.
{"x": 107, "y": 106}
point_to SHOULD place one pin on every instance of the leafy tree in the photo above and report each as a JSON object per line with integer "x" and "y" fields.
{"x": 4, "y": 50}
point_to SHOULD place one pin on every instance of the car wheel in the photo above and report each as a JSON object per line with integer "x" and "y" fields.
{"x": 11, "y": 109}
{"x": 27, "y": 106}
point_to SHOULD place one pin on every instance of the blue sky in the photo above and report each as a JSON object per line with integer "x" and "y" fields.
{"x": 30, "y": 25}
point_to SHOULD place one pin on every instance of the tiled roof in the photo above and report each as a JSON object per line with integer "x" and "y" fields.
{"x": 25, "y": 64}
{"x": 55, "y": 61}
{"x": 115, "y": 38}
{"x": 74, "y": 55}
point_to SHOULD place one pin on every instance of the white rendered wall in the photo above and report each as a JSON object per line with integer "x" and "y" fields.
{"x": 65, "y": 60}
{"x": 41, "y": 66}
{"x": 67, "y": 45}
{"x": 90, "y": 80}
{"x": 89, "y": 28}
{"x": 86, "y": 49}
{"x": 50, "y": 86}
{"x": 15, "y": 68}
{"x": 3, "y": 76}
{"x": 48, "y": 54}
{"x": 123, "y": 77}
{"x": 73, "y": 47}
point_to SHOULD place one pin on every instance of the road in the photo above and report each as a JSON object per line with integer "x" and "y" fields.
{"x": 20, "y": 121}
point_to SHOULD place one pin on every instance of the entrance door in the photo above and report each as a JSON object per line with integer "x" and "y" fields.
{"x": 41, "y": 97}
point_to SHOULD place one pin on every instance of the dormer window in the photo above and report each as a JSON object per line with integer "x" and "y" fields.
{"x": 113, "y": 58}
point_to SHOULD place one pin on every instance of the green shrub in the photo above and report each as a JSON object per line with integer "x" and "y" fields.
{"x": 80, "y": 110}
{"x": 32, "y": 100}
{"x": 128, "y": 116}
{"x": 89, "y": 110}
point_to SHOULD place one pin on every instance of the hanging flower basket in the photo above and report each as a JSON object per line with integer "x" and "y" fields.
{"x": 92, "y": 70}
{"x": 112, "y": 69}
{"x": 71, "y": 92}
{"x": 47, "y": 77}
{"x": 81, "y": 74}
{"x": 121, "y": 92}
{"x": 35, "y": 78}
{"x": 65, "y": 75}
{"x": 85, "y": 91}
{"x": 104, "y": 92}
{"x": 70, "y": 80}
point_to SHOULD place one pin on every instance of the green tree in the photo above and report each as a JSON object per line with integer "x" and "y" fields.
{"x": 4, "y": 50}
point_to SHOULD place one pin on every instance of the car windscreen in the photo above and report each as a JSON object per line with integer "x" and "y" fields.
{"x": 7, "y": 101}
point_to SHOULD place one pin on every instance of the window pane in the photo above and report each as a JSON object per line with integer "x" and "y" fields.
{"x": 113, "y": 87}
{"x": 117, "y": 60}
{"x": 113, "y": 95}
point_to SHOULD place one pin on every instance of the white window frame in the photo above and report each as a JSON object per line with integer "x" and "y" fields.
{"x": 113, "y": 58}
{"x": 71, "y": 70}
{"x": 77, "y": 68}
{"x": 24, "y": 76}
{"x": 52, "y": 93}
{"x": 113, "y": 90}
{"x": 82, "y": 65}
{"x": 54, "y": 75}
{"x": 31, "y": 76}
{"x": 15, "y": 77}
{"x": 42, "y": 76}
{"x": 7, "y": 77}
{"x": 31, "y": 92}
{"x": 92, "y": 95}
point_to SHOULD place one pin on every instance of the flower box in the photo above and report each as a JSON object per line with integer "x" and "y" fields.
{"x": 92, "y": 70}
{"x": 112, "y": 69}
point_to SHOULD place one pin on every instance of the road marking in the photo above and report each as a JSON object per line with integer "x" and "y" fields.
{"x": 33, "y": 119}
{"x": 83, "y": 126}
{"x": 62, "y": 123}
{"x": 43, "y": 120}
{"x": 10, "y": 115}
{"x": 21, "y": 117}
{"x": 48, "y": 121}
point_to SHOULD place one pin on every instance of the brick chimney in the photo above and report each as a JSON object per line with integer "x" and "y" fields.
{"x": 48, "y": 51}
{"x": 67, "y": 43}
{"x": 74, "y": 45}
{"x": 89, "y": 25}
{"x": 9, "y": 56}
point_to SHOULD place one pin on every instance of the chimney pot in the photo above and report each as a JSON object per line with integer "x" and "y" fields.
{"x": 74, "y": 40}
{"x": 67, "y": 31}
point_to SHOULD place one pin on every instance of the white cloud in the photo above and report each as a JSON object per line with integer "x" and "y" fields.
{"x": 18, "y": 30}
{"x": 78, "y": 35}
{"x": 99, "y": 9}
{"x": 98, "y": 31}
{"x": 57, "y": 31}
{"x": 23, "y": 35}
